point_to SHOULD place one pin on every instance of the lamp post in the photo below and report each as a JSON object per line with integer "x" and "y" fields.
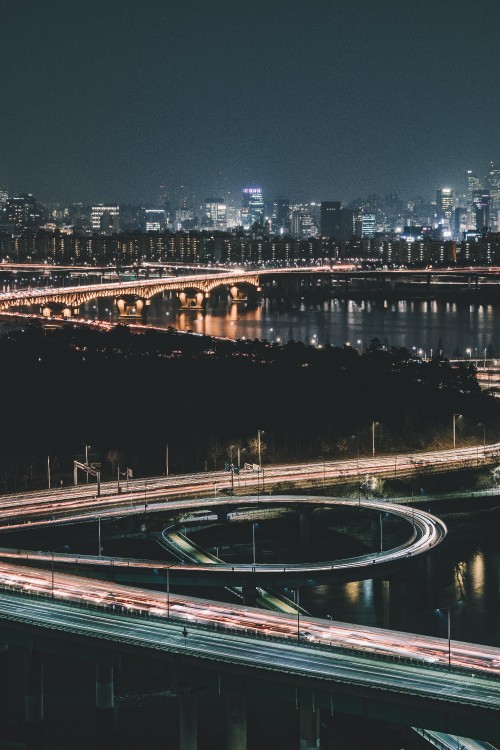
{"x": 322, "y": 458}
{"x": 297, "y": 597}
{"x": 259, "y": 450}
{"x": 253, "y": 542}
{"x": 455, "y": 429}
{"x": 259, "y": 447}
{"x": 373, "y": 437}
{"x": 87, "y": 460}
{"x": 481, "y": 424}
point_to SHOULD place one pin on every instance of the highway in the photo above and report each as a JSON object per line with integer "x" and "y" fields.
{"x": 427, "y": 532}
{"x": 452, "y": 742}
{"x": 328, "y": 667}
{"x": 82, "y": 499}
{"x": 115, "y": 598}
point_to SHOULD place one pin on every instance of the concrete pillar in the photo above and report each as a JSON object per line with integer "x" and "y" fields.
{"x": 188, "y": 722}
{"x": 4, "y": 682}
{"x": 104, "y": 702}
{"x": 305, "y": 530}
{"x": 33, "y": 699}
{"x": 309, "y": 728}
{"x": 236, "y": 722}
{"x": 33, "y": 687}
{"x": 250, "y": 595}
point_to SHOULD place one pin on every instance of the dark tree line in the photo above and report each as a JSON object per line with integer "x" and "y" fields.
{"x": 129, "y": 394}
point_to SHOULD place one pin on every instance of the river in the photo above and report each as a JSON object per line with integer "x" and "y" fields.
{"x": 427, "y": 325}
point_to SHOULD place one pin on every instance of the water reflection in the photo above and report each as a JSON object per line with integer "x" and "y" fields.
{"x": 464, "y": 575}
{"x": 433, "y": 325}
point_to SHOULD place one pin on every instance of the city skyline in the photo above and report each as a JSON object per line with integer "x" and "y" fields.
{"x": 357, "y": 98}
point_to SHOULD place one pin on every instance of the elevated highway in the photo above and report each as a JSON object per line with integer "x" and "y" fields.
{"x": 334, "y": 666}
{"x": 196, "y": 567}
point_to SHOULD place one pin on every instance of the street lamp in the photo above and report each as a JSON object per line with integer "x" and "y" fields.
{"x": 481, "y": 424}
{"x": 448, "y": 610}
{"x": 253, "y": 542}
{"x": 373, "y": 437}
{"x": 322, "y": 458}
{"x": 468, "y": 351}
{"x": 259, "y": 432}
{"x": 455, "y": 429}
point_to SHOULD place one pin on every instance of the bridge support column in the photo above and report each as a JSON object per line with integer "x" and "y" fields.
{"x": 250, "y": 595}
{"x": 304, "y": 530}
{"x": 309, "y": 728}
{"x": 104, "y": 703}
{"x": 4, "y": 677}
{"x": 33, "y": 698}
{"x": 188, "y": 721}
{"x": 236, "y": 722}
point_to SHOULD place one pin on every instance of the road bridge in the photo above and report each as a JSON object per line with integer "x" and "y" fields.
{"x": 195, "y": 569}
{"x": 445, "y": 696}
{"x": 193, "y": 290}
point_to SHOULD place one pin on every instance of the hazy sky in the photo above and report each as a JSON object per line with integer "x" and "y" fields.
{"x": 320, "y": 99}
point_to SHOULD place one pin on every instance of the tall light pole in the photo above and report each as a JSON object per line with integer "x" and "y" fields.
{"x": 87, "y": 459}
{"x": 455, "y": 429}
{"x": 259, "y": 447}
{"x": 481, "y": 424}
{"x": 373, "y": 437}
{"x": 322, "y": 458}
{"x": 448, "y": 610}
{"x": 253, "y": 541}
{"x": 298, "y": 613}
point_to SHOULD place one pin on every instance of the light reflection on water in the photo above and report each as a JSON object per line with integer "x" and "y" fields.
{"x": 464, "y": 574}
{"x": 429, "y": 325}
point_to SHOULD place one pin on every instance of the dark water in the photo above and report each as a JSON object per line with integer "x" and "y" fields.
{"x": 465, "y": 573}
{"x": 424, "y": 325}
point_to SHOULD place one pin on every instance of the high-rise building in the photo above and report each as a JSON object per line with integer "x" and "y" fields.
{"x": 154, "y": 219}
{"x": 494, "y": 186}
{"x": 23, "y": 211}
{"x": 473, "y": 184}
{"x": 215, "y": 212}
{"x": 330, "y": 219}
{"x": 4, "y": 194}
{"x": 368, "y": 222}
{"x": 105, "y": 219}
{"x": 444, "y": 201}
{"x": 482, "y": 204}
{"x": 252, "y": 210}
{"x": 460, "y": 218}
{"x": 281, "y": 216}
{"x": 346, "y": 224}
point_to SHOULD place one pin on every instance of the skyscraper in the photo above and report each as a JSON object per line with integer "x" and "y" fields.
{"x": 494, "y": 185}
{"x": 444, "y": 200}
{"x": 473, "y": 184}
{"x": 482, "y": 203}
{"x": 105, "y": 219}
{"x": 330, "y": 219}
{"x": 252, "y": 207}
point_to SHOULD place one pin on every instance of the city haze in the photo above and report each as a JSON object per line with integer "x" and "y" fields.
{"x": 106, "y": 102}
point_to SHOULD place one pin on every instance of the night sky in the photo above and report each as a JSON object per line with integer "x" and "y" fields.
{"x": 318, "y": 100}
